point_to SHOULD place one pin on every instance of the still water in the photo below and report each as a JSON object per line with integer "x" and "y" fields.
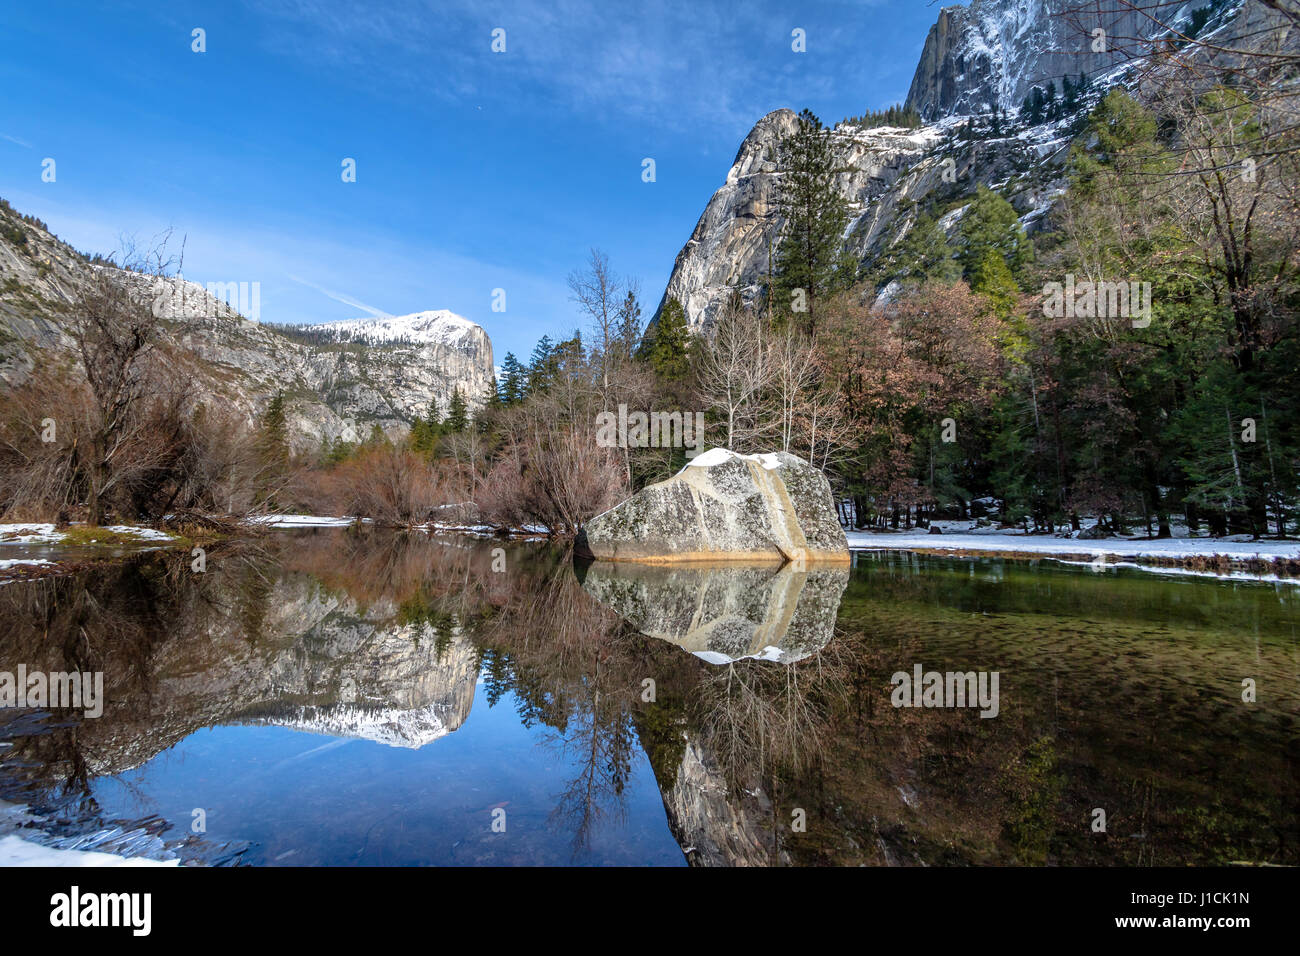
{"x": 351, "y": 697}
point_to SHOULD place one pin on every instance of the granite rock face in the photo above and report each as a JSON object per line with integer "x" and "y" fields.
{"x": 725, "y": 614}
{"x": 990, "y": 52}
{"x": 724, "y": 506}
{"x": 728, "y": 251}
{"x": 355, "y": 376}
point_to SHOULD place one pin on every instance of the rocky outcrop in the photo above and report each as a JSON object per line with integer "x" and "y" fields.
{"x": 724, "y": 507}
{"x": 993, "y": 52}
{"x": 733, "y": 246}
{"x": 725, "y": 614}
{"x": 339, "y": 385}
{"x": 884, "y": 174}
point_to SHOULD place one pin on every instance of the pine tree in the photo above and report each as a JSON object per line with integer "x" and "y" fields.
{"x": 541, "y": 366}
{"x": 427, "y": 429}
{"x": 457, "y": 413}
{"x": 816, "y": 214}
{"x": 627, "y": 330}
{"x": 991, "y": 222}
{"x": 513, "y": 380}
{"x": 339, "y": 451}
{"x": 923, "y": 254}
{"x": 1069, "y": 96}
{"x": 273, "y": 435}
{"x": 491, "y": 402}
{"x": 1031, "y": 110}
{"x": 667, "y": 345}
{"x": 991, "y": 277}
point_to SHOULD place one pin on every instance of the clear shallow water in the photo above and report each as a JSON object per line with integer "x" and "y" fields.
{"x": 328, "y": 697}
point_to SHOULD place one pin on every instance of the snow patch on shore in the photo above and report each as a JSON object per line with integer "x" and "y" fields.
{"x": 301, "y": 521}
{"x": 17, "y": 822}
{"x": 17, "y": 562}
{"x": 45, "y": 533}
{"x": 15, "y": 851}
{"x": 1099, "y": 549}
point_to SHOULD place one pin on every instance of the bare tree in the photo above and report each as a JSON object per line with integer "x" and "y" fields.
{"x": 734, "y": 374}
{"x": 598, "y": 291}
{"x": 116, "y": 333}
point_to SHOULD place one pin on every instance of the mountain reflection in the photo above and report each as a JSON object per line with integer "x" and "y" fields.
{"x": 780, "y": 712}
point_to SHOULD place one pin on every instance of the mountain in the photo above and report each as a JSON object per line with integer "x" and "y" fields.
{"x": 995, "y": 51}
{"x": 436, "y": 326}
{"x": 885, "y": 172}
{"x": 340, "y": 379}
{"x": 991, "y": 52}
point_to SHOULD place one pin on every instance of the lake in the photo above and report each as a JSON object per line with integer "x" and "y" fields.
{"x": 360, "y": 697}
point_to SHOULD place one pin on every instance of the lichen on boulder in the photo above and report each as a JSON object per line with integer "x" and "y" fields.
{"x": 724, "y": 506}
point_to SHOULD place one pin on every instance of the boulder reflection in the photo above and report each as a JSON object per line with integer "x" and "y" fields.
{"x": 752, "y": 693}
{"x": 724, "y": 613}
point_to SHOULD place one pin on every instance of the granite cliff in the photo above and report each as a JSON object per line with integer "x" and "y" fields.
{"x": 340, "y": 379}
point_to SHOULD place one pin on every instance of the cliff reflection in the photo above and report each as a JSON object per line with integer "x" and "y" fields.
{"x": 759, "y": 698}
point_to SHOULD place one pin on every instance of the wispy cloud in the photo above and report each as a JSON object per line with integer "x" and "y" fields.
{"x": 674, "y": 64}
{"x": 14, "y": 139}
{"x": 339, "y": 297}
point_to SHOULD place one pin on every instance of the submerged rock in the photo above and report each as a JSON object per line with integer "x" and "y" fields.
{"x": 724, "y": 506}
{"x": 727, "y": 613}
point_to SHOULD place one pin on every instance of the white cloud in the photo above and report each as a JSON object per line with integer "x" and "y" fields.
{"x": 339, "y": 297}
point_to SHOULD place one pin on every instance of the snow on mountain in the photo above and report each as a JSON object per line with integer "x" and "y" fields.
{"x": 992, "y": 52}
{"x": 439, "y": 326}
{"x": 391, "y": 726}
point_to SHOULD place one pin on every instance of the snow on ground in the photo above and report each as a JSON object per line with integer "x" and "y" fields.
{"x": 15, "y": 851}
{"x": 16, "y": 820}
{"x": 301, "y": 521}
{"x": 144, "y": 534}
{"x": 44, "y": 533}
{"x": 15, "y": 562}
{"x": 28, "y": 533}
{"x": 1000, "y": 540}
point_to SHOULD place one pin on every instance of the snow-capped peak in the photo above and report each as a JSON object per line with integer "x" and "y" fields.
{"x": 435, "y": 325}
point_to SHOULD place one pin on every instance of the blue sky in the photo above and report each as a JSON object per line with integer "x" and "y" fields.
{"x": 475, "y": 170}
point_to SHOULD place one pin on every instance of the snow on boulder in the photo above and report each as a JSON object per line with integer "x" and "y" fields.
{"x": 724, "y": 506}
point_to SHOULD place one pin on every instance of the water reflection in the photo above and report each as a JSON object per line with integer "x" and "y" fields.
{"x": 360, "y": 697}
{"x": 726, "y": 613}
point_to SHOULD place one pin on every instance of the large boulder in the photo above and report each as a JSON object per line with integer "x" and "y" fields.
{"x": 724, "y": 506}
